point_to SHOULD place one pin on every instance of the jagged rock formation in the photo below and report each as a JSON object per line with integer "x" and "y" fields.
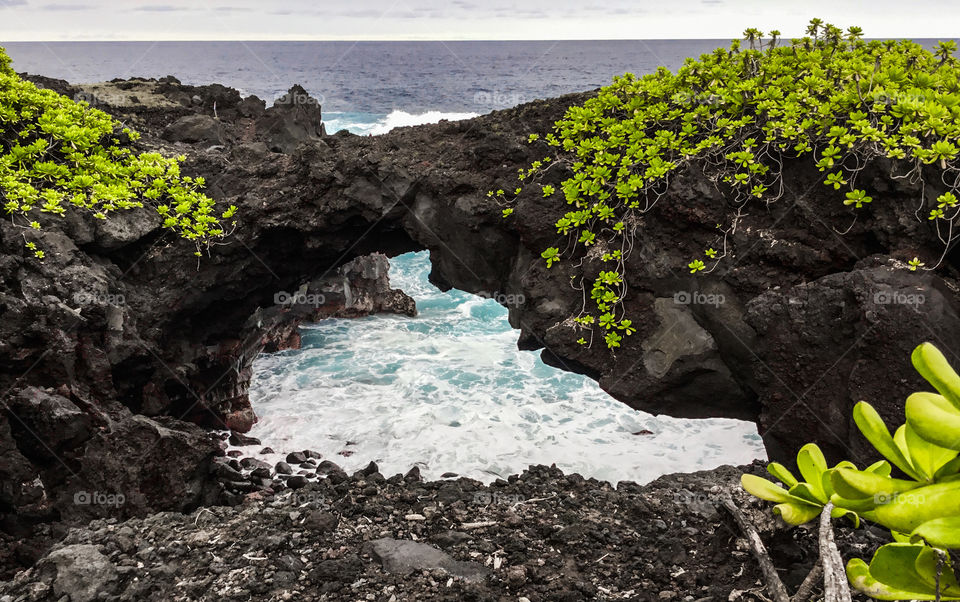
{"x": 794, "y": 328}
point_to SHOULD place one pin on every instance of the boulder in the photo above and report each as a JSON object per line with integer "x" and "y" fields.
{"x": 195, "y": 128}
{"x": 239, "y": 439}
{"x": 841, "y": 339}
{"x": 81, "y": 572}
{"x": 137, "y": 465}
{"x": 252, "y": 107}
{"x": 46, "y": 425}
{"x": 404, "y": 557}
{"x": 293, "y": 119}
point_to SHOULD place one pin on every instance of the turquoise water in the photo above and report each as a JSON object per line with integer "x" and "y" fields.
{"x": 449, "y": 391}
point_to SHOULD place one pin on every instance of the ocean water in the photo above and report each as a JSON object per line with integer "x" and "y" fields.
{"x": 369, "y": 87}
{"x": 448, "y": 391}
{"x": 372, "y": 87}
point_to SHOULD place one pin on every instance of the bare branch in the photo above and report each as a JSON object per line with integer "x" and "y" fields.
{"x": 775, "y": 587}
{"x": 835, "y": 585}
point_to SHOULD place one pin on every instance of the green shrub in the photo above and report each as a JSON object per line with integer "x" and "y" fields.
{"x": 5, "y": 63}
{"x": 832, "y": 98}
{"x": 922, "y": 511}
{"x": 57, "y": 154}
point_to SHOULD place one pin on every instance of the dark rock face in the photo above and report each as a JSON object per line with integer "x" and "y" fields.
{"x": 101, "y": 392}
{"x": 78, "y": 453}
{"x": 305, "y": 213}
{"x": 845, "y": 337}
{"x": 122, "y": 320}
{"x": 195, "y": 128}
{"x": 293, "y": 119}
{"x": 66, "y": 461}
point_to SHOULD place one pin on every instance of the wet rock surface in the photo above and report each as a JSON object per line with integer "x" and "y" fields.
{"x": 540, "y": 535}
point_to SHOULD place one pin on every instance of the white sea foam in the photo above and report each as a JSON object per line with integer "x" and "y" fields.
{"x": 374, "y": 124}
{"x": 401, "y": 118}
{"x": 449, "y": 391}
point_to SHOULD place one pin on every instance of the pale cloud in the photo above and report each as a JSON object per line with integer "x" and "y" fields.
{"x": 68, "y": 7}
{"x": 158, "y": 8}
{"x": 459, "y": 19}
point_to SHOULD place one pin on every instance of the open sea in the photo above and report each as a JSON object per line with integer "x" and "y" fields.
{"x": 447, "y": 391}
{"x": 369, "y": 87}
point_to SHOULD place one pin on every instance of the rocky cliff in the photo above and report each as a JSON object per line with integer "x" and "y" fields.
{"x": 121, "y": 342}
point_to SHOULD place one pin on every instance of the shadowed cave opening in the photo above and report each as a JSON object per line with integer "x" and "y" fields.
{"x": 448, "y": 391}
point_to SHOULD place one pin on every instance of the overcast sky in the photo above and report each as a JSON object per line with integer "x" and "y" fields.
{"x": 24, "y": 20}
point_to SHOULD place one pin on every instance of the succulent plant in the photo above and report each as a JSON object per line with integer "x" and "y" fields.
{"x": 921, "y": 511}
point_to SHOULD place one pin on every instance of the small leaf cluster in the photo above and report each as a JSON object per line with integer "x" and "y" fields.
{"x": 921, "y": 511}
{"x": 57, "y": 154}
{"x": 740, "y": 113}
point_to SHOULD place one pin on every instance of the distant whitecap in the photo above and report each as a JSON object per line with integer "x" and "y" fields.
{"x": 375, "y": 124}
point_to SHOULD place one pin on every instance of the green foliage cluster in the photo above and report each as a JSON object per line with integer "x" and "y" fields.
{"x": 5, "y": 67}
{"x": 833, "y": 98}
{"x": 56, "y": 153}
{"x": 921, "y": 511}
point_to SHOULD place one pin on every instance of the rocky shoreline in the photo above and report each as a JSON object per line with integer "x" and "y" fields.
{"x": 121, "y": 354}
{"x": 537, "y": 536}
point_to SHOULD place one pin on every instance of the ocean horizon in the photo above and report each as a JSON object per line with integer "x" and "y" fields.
{"x": 370, "y": 87}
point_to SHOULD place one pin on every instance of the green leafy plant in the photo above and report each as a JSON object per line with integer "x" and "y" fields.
{"x": 739, "y": 114}
{"x": 907, "y": 572}
{"x": 921, "y": 511}
{"x": 5, "y": 67}
{"x": 58, "y": 155}
{"x": 551, "y": 255}
{"x": 802, "y": 501}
